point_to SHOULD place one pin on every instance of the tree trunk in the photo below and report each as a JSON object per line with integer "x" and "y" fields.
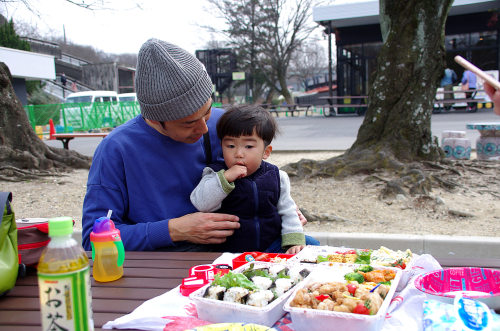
{"x": 401, "y": 97}
{"x": 396, "y": 130}
{"x": 20, "y": 147}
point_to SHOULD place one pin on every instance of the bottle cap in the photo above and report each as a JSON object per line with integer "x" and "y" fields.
{"x": 104, "y": 230}
{"x": 60, "y": 226}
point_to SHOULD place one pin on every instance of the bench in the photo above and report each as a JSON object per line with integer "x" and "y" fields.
{"x": 326, "y": 108}
{"x": 440, "y": 103}
{"x": 276, "y": 109}
{"x": 66, "y": 137}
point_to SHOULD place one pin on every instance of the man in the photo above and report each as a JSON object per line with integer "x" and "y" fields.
{"x": 447, "y": 82}
{"x": 145, "y": 170}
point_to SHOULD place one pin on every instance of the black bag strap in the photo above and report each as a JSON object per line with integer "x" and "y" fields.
{"x": 5, "y": 199}
{"x": 208, "y": 148}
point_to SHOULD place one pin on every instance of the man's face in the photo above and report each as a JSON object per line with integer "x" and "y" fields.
{"x": 189, "y": 129}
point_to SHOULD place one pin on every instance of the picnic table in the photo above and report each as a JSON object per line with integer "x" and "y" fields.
{"x": 146, "y": 275}
{"x": 66, "y": 137}
{"x": 339, "y": 102}
{"x": 443, "y": 99}
{"x": 285, "y": 108}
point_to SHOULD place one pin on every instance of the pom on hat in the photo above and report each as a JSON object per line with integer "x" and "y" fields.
{"x": 170, "y": 83}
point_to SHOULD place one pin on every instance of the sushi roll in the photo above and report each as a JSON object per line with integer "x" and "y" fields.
{"x": 275, "y": 269}
{"x": 263, "y": 283}
{"x": 236, "y": 295}
{"x": 215, "y": 292}
{"x": 282, "y": 285}
{"x": 297, "y": 274}
{"x": 260, "y": 298}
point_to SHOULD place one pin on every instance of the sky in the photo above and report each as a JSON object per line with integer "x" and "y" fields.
{"x": 124, "y": 27}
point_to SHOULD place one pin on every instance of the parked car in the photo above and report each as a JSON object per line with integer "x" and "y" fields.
{"x": 92, "y": 96}
{"x": 127, "y": 97}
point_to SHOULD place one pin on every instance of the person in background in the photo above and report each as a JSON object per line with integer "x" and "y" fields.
{"x": 447, "y": 82}
{"x": 470, "y": 79}
{"x": 249, "y": 187}
{"x": 63, "y": 79}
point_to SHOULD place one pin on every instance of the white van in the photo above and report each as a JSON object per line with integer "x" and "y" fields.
{"x": 92, "y": 96}
{"x": 91, "y": 110}
{"x": 127, "y": 97}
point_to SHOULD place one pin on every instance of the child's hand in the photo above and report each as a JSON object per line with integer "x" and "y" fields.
{"x": 235, "y": 172}
{"x": 295, "y": 249}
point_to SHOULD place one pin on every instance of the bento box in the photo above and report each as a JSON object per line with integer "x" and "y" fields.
{"x": 317, "y": 319}
{"x": 481, "y": 284}
{"x": 231, "y": 304}
{"x": 260, "y": 256}
{"x": 382, "y": 257}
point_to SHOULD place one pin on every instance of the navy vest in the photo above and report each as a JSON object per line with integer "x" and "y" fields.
{"x": 254, "y": 200}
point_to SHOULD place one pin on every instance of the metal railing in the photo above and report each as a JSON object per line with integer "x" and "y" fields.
{"x": 69, "y": 117}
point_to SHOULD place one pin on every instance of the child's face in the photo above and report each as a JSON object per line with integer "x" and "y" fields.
{"x": 248, "y": 151}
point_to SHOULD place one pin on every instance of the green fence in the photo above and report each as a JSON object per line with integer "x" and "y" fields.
{"x": 83, "y": 116}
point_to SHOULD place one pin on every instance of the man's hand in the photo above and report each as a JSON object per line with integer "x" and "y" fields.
{"x": 295, "y": 249}
{"x": 203, "y": 228}
{"x": 235, "y": 172}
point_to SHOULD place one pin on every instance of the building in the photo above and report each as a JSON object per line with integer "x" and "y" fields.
{"x": 472, "y": 31}
{"x": 24, "y": 65}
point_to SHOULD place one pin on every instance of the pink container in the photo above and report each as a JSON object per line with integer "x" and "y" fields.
{"x": 478, "y": 283}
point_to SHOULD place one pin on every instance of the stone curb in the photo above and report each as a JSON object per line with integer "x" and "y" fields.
{"x": 436, "y": 245}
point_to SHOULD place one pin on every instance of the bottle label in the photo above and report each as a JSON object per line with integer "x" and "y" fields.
{"x": 65, "y": 301}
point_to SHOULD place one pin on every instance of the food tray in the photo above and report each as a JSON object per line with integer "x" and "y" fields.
{"x": 222, "y": 311}
{"x": 481, "y": 284}
{"x": 258, "y": 256}
{"x": 314, "y": 319}
{"x": 310, "y": 253}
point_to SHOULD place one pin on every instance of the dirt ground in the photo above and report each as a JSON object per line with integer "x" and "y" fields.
{"x": 349, "y": 205}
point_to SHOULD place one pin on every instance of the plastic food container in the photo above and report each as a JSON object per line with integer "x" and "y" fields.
{"x": 258, "y": 256}
{"x": 218, "y": 311}
{"x": 310, "y": 253}
{"x": 481, "y": 284}
{"x": 320, "y": 320}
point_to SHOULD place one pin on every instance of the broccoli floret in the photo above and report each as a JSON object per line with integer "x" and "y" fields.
{"x": 365, "y": 268}
{"x": 354, "y": 276}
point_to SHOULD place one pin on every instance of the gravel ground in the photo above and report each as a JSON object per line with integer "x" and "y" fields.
{"x": 349, "y": 205}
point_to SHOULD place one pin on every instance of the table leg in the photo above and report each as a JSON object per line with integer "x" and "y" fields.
{"x": 65, "y": 142}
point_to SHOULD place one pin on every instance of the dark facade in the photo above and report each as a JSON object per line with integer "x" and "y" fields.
{"x": 474, "y": 36}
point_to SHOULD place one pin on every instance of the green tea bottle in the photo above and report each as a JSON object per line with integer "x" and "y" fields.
{"x": 64, "y": 281}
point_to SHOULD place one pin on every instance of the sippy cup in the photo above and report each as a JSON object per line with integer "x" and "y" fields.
{"x": 107, "y": 250}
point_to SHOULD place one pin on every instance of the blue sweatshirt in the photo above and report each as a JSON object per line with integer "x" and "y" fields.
{"x": 146, "y": 179}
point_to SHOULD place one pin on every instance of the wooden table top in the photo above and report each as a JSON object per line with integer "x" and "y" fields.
{"x": 80, "y": 134}
{"x": 146, "y": 275}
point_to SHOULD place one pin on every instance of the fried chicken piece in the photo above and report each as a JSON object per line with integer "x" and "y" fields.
{"x": 378, "y": 276}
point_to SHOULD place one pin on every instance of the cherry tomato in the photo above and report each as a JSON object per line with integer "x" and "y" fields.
{"x": 399, "y": 264}
{"x": 352, "y": 288}
{"x": 322, "y": 297}
{"x": 361, "y": 309}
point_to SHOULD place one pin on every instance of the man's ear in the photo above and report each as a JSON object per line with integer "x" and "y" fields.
{"x": 267, "y": 151}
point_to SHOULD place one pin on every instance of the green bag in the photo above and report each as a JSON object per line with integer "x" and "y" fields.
{"x": 9, "y": 259}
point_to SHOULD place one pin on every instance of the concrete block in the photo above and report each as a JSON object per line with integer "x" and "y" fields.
{"x": 462, "y": 246}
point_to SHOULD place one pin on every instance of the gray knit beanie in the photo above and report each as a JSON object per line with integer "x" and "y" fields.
{"x": 170, "y": 83}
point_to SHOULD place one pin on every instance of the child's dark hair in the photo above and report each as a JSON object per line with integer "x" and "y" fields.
{"x": 241, "y": 120}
